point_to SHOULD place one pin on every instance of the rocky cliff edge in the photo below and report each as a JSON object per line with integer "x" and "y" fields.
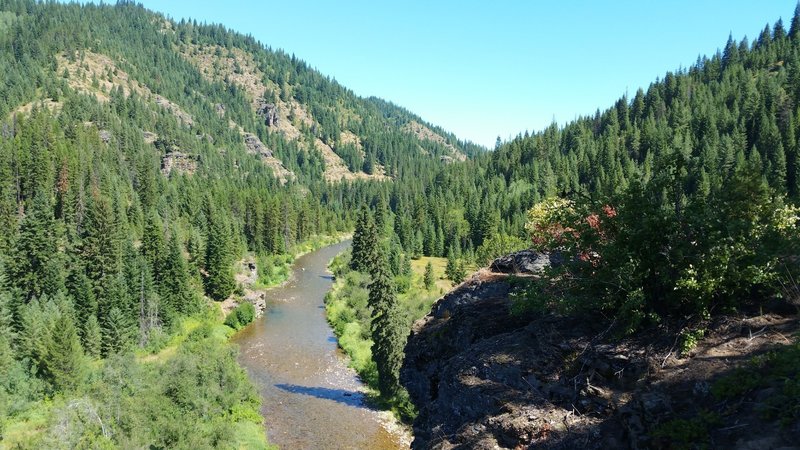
{"x": 484, "y": 378}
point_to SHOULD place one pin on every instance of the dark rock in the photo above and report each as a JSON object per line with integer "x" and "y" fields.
{"x": 255, "y": 146}
{"x": 268, "y": 111}
{"x": 482, "y": 377}
{"x": 177, "y": 161}
{"x": 525, "y": 262}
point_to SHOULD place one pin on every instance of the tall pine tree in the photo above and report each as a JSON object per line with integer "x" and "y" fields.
{"x": 389, "y": 330}
{"x": 34, "y": 268}
{"x": 365, "y": 243}
{"x": 174, "y": 286}
{"x": 219, "y": 281}
{"x": 64, "y": 361}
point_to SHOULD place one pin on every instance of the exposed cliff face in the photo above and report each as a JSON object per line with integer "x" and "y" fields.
{"x": 484, "y": 378}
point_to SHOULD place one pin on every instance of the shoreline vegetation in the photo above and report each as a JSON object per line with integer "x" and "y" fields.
{"x": 348, "y": 314}
{"x": 163, "y": 378}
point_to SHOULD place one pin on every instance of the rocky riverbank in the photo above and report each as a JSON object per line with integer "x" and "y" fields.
{"x": 485, "y": 378}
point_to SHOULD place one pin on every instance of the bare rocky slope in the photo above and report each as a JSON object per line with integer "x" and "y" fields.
{"x": 485, "y": 378}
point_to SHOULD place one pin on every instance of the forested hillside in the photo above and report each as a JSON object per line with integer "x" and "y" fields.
{"x": 727, "y": 126}
{"x": 658, "y": 306}
{"x": 140, "y": 158}
{"x": 670, "y": 207}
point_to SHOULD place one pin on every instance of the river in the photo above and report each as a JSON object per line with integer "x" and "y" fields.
{"x": 311, "y": 399}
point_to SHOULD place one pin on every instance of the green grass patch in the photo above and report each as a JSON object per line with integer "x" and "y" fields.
{"x": 686, "y": 434}
{"x": 250, "y": 435}
{"x": 442, "y": 284}
{"x": 21, "y": 428}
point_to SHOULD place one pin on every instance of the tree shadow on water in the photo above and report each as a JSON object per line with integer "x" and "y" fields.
{"x": 350, "y": 398}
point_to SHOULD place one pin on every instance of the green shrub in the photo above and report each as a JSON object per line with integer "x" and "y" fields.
{"x": 642, "y": 256}
{"x": 241, "y": 316}
{"x": 686, "y": 433}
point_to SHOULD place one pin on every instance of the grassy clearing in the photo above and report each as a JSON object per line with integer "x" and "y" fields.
{"x": 183, "y": 329}
{"x": 25, "y": 426}
{"x": 442, "y": 284}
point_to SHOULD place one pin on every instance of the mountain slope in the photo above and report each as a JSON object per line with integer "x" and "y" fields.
{"x": 220, "y": 78}
{"x": 139, "y": 160}
{"x": 670, "y": 320}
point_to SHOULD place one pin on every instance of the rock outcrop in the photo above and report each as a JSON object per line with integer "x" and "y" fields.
{"x": 220, "y": 109}
{"x": 484, "y": 378}
{"x": 105, "y": 136}
{"x": 178, "y": 161}
{"x": 255, "y": 146}
{"x": 268, "y": 112}
{"x": 526, "y": 262}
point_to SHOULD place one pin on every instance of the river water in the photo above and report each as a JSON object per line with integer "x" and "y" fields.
{"x": 311, "y": 399}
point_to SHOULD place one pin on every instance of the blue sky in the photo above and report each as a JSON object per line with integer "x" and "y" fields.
{"x": 484, "y": 69}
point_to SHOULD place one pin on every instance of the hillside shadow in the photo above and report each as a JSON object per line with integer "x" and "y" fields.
{"x": 350, "y": 398}
{"x": 604, "y": 400}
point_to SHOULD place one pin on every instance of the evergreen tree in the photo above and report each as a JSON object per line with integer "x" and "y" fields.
{"x": 794, "y": 28}
{"x": 8, "y": 199}
{"x": 454, "y": 270}
{"x": 358, "y": 246}
{"x": 7, "y": 334}
{"x": 101, "y": 248}
{"x": 365, "y": 244}
{"x": 381, "y": 216}
{"x": 219, "y": 281}
{"x": 405, "y": 267}
{"x": 174, "y": 284}
{"x": 64, "y": 361}
{"x": 389, "y": 331}
{"x": 34, "y": 269}
{"x": 153, "y": 244}
{"x": 37, "y": 318}
{"x": 141, "y": 290}
{"x": 428, "y": 277}
{"x": 118, "y": 332}
{"x": 395, "y": 259}
{"x": 369, "y": 165}
{"x": 92, "y": 337}
{"x": 196, "y": 251}
{"x": 7, "y": 362}
{"x": 80, "y": 289}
